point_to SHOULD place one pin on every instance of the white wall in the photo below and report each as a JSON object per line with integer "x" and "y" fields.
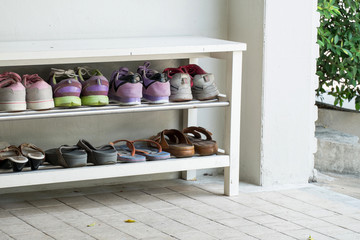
{"x": 289, "y": 97}
{"x": 246, "y": 21}
{"x": 282, "y": 67}
{"x": 81, "y": 19}
{"x": 69, "y": 19}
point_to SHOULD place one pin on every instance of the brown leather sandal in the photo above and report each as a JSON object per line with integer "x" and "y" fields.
{"x": 203, "y": 147}
{"x": 174, "y": 142}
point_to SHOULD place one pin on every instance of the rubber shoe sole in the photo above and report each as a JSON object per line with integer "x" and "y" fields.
{"x": 68, "y": 101}
{"x": 95, "y": 100}
{"x": 39, "y": 105}
{"x": 13, "y": 106}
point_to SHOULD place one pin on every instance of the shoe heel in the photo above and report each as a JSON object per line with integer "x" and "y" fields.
{"x": 35, "y": 163}
{"x": 17, "y": 167}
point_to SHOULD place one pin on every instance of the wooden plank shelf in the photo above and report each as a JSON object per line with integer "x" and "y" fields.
{"x": 49, "y": 174}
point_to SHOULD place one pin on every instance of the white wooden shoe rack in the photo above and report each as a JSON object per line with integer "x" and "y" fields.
{"x": 134, "y": 49}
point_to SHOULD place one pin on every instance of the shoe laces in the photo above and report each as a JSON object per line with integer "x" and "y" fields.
{"x": 121, "y": 72}
{"x": 61, "y": 72}
{"x": 30, "y": 79}
{"x": 9, "y": 78}
{"x": 10, "y": 75}
{"x": 170, "y": 72}
{"x": 87, "y": 72}
{"x": 193, "y": 69}
{"x": 145, "y": 71}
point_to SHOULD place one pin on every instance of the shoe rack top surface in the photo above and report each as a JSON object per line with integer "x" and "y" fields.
{"x": 49, "y": 52}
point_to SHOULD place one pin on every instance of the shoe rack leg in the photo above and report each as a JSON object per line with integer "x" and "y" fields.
{"x": 190, "y": 119}
{"x": 232, "y": 129}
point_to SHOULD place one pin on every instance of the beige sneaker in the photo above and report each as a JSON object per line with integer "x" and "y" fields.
{"x": 12, "y": 92}
{"x": 38, "y": 92}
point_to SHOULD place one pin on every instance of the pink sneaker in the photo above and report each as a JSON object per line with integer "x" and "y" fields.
{"x": 12, "y": 92}
{"x": 38, "y": 93}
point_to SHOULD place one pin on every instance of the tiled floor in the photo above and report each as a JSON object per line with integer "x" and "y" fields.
{"x": 176, "y": 209}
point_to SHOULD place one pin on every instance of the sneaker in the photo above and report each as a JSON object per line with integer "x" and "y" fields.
{"x": 66, "y": 88}
{"x": 95, "y": 87}
{"x": 125, "y": 87}
{"x": 12, "y": 92}
{"x": 180, "y": 84}
{"x": 156, "y": 88}
{"x": 203, "y": 87}
{"x": 38, "y": 92}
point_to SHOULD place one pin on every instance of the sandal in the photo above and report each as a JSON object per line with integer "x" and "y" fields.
{"x": 102, "y": 155}
{"x": 151, "y": 153}
{"x": 67, "y": 156}
{"x": 126, "y": 152}
{"x": 10, "y": 157}
{"x": 35, "y": 155}
{"x": 174, "y": 142}
{"x": 203, "y": 147}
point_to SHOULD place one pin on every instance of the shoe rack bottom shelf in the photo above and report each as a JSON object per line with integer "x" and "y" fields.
{"x": 46, "y": 175}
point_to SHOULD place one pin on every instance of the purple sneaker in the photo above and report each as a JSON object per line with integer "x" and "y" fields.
{"x": 156, "y": 87}
{"x": 95, "y": 87}
{"x": 125, "y": 87}
{"x": 66, "y": 88}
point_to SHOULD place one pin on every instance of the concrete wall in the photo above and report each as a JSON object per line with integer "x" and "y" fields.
{"x": 278, "y": 111}
{"x": 346, "y": 122}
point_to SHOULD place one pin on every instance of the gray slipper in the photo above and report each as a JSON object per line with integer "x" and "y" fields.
{"x": 66, "y": 156}
{"x": 102, "y": 155}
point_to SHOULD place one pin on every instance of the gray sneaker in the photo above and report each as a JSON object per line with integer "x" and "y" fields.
{"x": 203, "y": 87}
{"x": 180, "y": 84}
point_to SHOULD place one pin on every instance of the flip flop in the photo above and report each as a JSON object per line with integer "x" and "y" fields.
{"x": 174, "y": 142}
{"x": 126, "y": 152}
{"x": 102, "y": 155}
{"x": 142, "y": 147}
{"x": 35, "y": 155}
{"x": 203, "y": 147}
{"x": 10, "y": 157}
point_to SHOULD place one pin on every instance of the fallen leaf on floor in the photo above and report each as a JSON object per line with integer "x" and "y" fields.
{"x": 91, "y": 225}
{"x": 129, "y": 221}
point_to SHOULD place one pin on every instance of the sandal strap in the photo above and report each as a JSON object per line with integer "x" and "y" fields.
{"x": 196, "y": 131}
{"x": 11, "y": 148}
{"x": 129, "y": 144}
{"x": 150, "y": 142}
{"x": 30, "y": 145}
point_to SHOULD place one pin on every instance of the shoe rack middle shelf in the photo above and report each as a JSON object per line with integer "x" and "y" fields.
{"x": 110, "y": 109}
